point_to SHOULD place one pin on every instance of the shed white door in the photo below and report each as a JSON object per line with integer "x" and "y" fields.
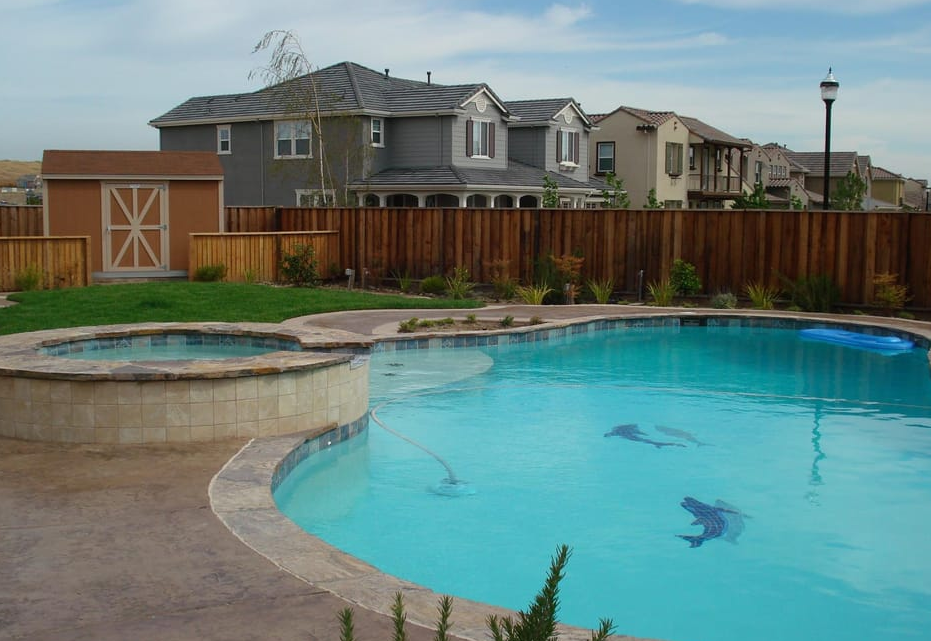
{"x": 135, "y": 227}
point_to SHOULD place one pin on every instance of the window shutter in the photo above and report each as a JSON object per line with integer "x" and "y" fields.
{"x": 491, "y": 140}
{"x": 469, "y": 137}
{"x": 575, "y": 152}
{"x": 559, "y": 145}
{"x": 669, "y": 158}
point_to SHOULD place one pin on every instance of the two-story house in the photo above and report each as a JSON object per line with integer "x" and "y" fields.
{"x": 888, "y": 189}
{"x": 350, "y": 135}
{"x": 770, "y": 166}
{"x": 841, "y": 163}
{"x": 717, "y": 165}
{"x": 646, "y": 149}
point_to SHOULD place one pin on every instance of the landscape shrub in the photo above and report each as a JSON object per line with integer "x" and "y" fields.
{"x": 28, "y": 279}
{"x": 684, "y": 278}
{"x": 662, "y": 292}
{"x": 210, "y": 273}
{"x": 435, "y": 285}
{"x": 724, "y": 300}
{"x": 299, "y": 267}
{"x": 538, "y": 623}
{"x": 458, "y": 285}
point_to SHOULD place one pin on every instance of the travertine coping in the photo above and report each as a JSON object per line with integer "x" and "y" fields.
{"x": 241, "y": 493}
{"x": 49, "y": 398}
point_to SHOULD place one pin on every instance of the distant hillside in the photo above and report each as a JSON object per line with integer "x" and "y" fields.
{"x": 10, "y": 170}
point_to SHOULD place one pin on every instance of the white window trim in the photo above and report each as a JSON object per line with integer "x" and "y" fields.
{"x": 567, "y": 146}
{"x": 476, "y": 128}
{"x": 229, "y": 140}
{"x": 381, "y": 132}
{"x": 294, "y": 140}
{"x": 608, "y": 144}
{"x": 316, "y": 197}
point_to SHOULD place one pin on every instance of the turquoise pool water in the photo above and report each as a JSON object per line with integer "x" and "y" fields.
{"x": 824, "y": 450}
{"x": 169, "y": 347}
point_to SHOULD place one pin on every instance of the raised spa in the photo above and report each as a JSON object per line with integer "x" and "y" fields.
{"x": 179, "y": 382}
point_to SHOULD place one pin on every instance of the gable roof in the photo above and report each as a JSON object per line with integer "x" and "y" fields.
{"x": 712, "y": 134}
{"x": 650, "y": 117}
{"x": 544, "y": 111}
{"x": 813, "y": 162}
{"x": 880, "y": 173}
{"x": 345, "y": 87}
{"x": 58, "y": 163}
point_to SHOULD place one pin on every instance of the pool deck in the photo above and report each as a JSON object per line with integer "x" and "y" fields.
{"x": 122, "y": 542}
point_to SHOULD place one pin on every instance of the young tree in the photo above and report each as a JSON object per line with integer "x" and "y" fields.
{"x": 340, "y": 151}
{"x": 756, "y": 200}
{"x": 652, "y": 203}
{"x": 615, "y": 196}
{"x": 848, "y": 196}
{"x": 550, "y": 192}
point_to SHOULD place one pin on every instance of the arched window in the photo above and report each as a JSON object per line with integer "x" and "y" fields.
{"x": 477, "y": 200}
{"x": 401, "y": 200}
{"x": 442, "y": 200}
{"x": 504, "y": 201}
{"x": 529, "y": 202}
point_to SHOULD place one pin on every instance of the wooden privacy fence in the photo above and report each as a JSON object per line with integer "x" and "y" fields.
{"x": 20, "y": 220}
{"x": 59, "y": 261}
{"x": 729, "y": 248}
{"x": 257, "y": 256}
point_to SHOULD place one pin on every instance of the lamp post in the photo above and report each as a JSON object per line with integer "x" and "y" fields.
{"x": 828, "y": 94}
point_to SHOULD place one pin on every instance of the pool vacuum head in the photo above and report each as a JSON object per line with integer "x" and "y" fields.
{"x": 453, "y": 487}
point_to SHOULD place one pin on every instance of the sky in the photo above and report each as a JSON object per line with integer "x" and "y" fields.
{"x": 91, "y": 74}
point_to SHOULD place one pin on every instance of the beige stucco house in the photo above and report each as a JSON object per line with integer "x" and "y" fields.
{"x": 647, "y": 149}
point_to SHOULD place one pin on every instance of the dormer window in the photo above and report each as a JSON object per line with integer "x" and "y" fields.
{"x": 567, "y": 147}
{"x": 480, "y": 139}
{"x": 378, "y": 134}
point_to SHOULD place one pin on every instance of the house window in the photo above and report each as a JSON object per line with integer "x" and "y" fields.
{"x": 224, "y": 139}
{"x": 691, "y": 156}
{"x": 480, "y": 139}
{"x": 717, "y": 159}
{"x": 567, "y": 147}
{"x": 674, "y": 158}
{"x": 758, "y": 172}
{"x": 292, "y": 139}
{"x": 378, "y": 135}
{"x": 316, "y": 197}
{"x": 605, "y": 157}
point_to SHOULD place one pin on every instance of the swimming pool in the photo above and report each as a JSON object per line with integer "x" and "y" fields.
{"x": 824, "y": 449}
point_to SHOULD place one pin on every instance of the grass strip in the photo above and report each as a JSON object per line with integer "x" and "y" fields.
{"x": 191, "y": 302}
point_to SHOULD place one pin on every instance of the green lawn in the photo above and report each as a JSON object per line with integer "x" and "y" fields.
{"x": 187, "y": 301}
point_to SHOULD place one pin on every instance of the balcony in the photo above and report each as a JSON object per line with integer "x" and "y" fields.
{"x": 714, "y": 185}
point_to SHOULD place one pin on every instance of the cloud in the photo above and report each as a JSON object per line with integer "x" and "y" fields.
{"x": 823, "y": 6}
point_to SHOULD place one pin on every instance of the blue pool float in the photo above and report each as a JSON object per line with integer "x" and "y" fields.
{"x": 856, "y": 339}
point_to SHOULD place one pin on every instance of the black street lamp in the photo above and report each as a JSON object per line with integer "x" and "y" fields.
{"x": 828, "y": 94}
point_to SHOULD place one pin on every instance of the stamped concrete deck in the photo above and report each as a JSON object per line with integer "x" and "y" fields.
{"x": 120, "y": 542}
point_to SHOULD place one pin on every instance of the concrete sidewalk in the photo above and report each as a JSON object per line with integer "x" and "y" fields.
{"x": 117, "y": 543}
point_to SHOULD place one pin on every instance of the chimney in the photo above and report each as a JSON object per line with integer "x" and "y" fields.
{"x": 428, "y": 77}
{"x": 386, "y": 72}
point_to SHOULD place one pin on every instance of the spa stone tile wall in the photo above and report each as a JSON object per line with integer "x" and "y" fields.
{"x": 160, "y": 411}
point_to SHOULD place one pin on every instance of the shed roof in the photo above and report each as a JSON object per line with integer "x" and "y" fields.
{"x": 186, "y": 164}
{"x": 712, "y": 134}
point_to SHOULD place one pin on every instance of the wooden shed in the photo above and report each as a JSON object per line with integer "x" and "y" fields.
{"x": 138, "y": 207}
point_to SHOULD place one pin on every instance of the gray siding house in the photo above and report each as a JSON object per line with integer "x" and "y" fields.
{"x": 348, "y": 135}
